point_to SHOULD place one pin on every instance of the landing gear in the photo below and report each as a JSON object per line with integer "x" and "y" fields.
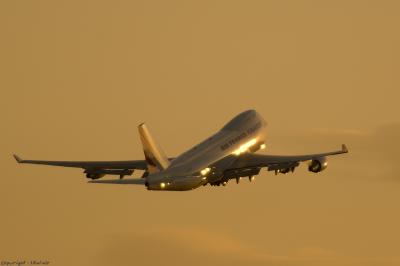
{"x": 219, "y": 183}
{"x": 251, "y": 178}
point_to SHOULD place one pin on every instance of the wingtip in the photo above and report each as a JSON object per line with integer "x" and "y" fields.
{"x": 17, "y": 158}
{"x": 344, "y": 148}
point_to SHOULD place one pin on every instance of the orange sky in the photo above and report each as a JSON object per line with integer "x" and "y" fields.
{"x": 77, "y": 77}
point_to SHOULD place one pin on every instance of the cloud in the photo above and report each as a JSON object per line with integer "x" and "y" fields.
{"x": 196, "y": 246}
{"x": 315, "y": 253}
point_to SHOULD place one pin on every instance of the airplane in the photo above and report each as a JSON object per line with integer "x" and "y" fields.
{"x": 228, "y": 154}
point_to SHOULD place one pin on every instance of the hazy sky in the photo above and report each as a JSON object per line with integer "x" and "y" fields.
{"x": 77, "y": 77}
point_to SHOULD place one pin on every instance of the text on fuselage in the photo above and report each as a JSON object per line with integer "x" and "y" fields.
{"x": 246, "y": 133}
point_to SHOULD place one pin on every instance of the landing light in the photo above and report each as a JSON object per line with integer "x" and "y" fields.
{"x": 262, "y": 146}
{"x": 243, "y": 148}
{"x": 205, "y": 171}
{"x": 162, "y": 185}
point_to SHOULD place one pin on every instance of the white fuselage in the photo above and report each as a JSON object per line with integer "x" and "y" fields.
{"x": 245, "y": 133}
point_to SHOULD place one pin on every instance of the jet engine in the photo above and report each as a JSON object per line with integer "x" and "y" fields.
{"x": 318, "y": 165}
{"x": 94, "y": 175}
{"x": 99, "y": 173}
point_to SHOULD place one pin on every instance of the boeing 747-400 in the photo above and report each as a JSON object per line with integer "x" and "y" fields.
{"x": 228, "y": 154}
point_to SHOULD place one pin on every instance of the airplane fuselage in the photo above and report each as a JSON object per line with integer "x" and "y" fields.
{"x": 244, "y": 133}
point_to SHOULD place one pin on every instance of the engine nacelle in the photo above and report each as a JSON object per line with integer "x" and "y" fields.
{"x": 98, "y": 173}
{"x": 94, "y": 175}
{"x": 318, "y": 165}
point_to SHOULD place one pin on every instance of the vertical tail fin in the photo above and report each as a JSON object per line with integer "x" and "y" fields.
{"x": 155, "y": 157}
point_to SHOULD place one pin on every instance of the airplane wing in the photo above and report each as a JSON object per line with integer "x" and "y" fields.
{"x": 250, "y": 164}
{"x": 136, "y": 164}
